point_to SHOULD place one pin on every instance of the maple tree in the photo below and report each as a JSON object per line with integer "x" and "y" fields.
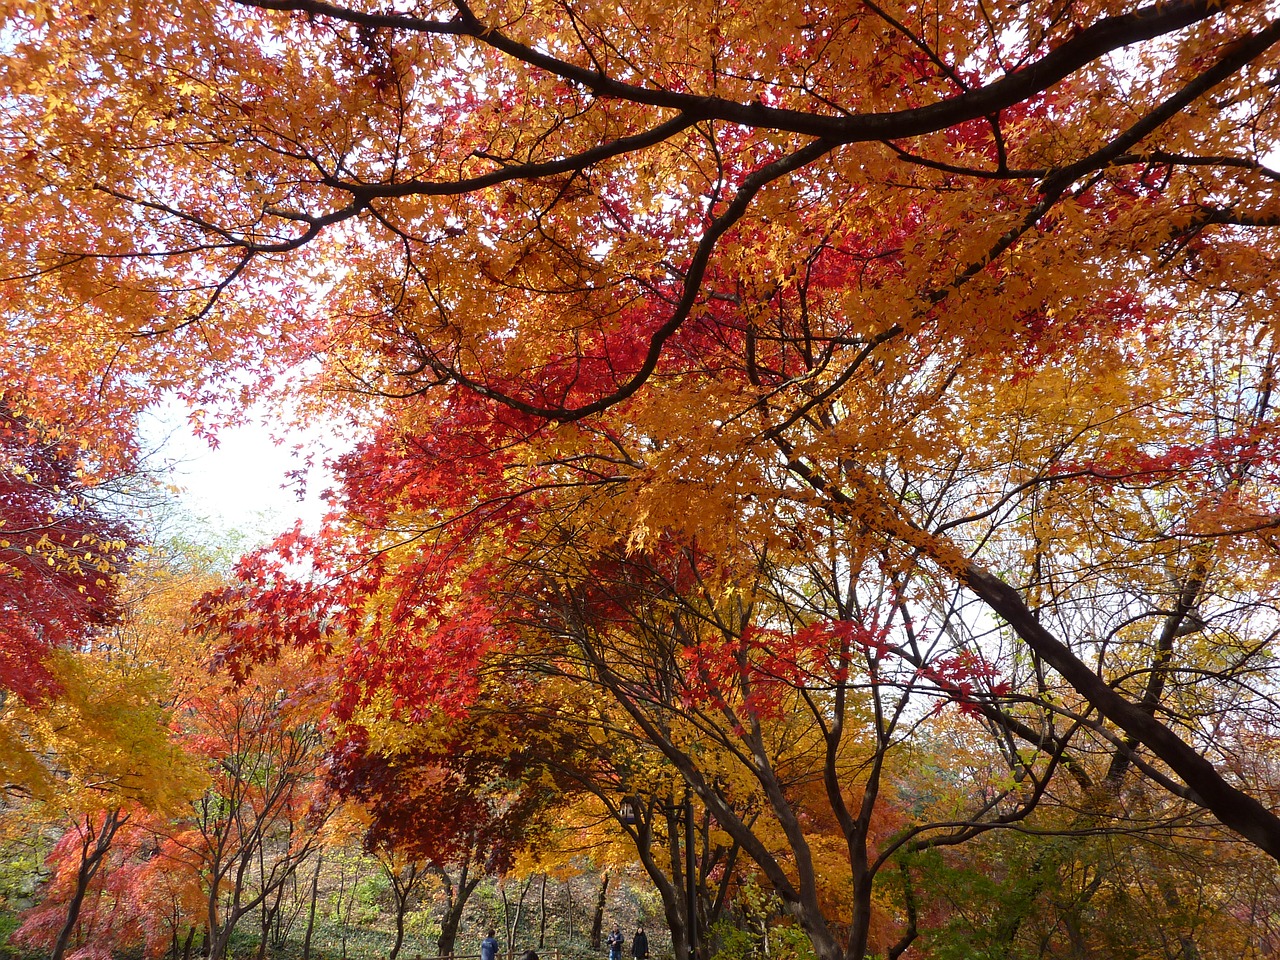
{"x": 263, "y": 742}
{"x": 444, "y": 583}
{"x": 82, "y": 739}
{"x": 604, "y": 250}
{"x": 101, "y": 766}
{"x": 61, "y": 553}
{"x": 455, "y": 801}
{"x": 787, "y": 718}
{"x": 503, "y": 577}
{"x": 226, "y": 807}
{"x": 94, "y": 841}
{"x": 87, "y": 906}
{"x": 764, "y": 721}
{"x": 973, "y": 302}
{"x": 663, "y": 832}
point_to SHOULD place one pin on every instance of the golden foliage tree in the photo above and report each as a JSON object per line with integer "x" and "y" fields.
{"x": 982, "y": 295}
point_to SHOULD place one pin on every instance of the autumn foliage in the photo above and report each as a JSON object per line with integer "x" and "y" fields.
{"x": 60, "y": 553}
{"x": 787, "y": 389}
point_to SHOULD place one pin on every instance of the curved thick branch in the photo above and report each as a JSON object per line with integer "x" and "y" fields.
{"x": 1233, "y": 807}
{"x": 751, "y": 186}
{"x": 1103, "y": 37}
{"x": 1236, "y": 809}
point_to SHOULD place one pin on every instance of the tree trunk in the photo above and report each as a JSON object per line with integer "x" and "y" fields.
{"x": 311, "y": 916}
{"x": 456, "y": 899}
{"x": 542, "y": 915}
{"x": 399, "y": 941}
{"x": 597, "y": 920}
{"x": 218, "y": 944}
{"x": 264, "y": 909}
{"x": 509, "y": 922}
{"x": 403, "y": 883}
{"x": 568, "y": 891}
{"x": 265, "y": 933}
{"x": 94, "y": 844}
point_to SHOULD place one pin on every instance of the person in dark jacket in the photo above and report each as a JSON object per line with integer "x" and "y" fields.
{"x": 489, "y": 947}
{"x": 640, "y": 946}
{"x": 614, "y": 943}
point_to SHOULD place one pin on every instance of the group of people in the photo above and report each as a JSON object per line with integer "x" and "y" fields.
{"x": 639, "y": 946}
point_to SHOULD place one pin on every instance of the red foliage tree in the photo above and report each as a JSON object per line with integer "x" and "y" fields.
{"x": 90, "y": 906}
{"x": 60, "y": 551}
{"x": 464, "y": 805}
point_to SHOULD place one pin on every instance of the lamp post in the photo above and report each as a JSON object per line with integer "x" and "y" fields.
{"x": 629, "y": 814}
{"x": 690, "y": 868}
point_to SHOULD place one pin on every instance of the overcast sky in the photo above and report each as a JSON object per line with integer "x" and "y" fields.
{"x": 242, "y": 487}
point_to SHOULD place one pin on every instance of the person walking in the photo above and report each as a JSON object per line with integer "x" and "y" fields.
{"x": 489, "y": 946}
{"x": 640, "y": 946}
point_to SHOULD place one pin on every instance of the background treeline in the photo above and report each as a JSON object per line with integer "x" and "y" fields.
{"x": 176, "y": 806}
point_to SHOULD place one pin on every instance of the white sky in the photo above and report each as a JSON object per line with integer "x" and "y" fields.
{"x": 240, "y": 490}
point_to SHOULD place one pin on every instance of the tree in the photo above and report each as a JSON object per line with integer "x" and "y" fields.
{"x": 61, "y": 554}
{"x": 693, "y": 653}
{"x": 644, "y": 236}
{"x": 758, "y": 683}
{"x": 118, "y": 776}
{"x": 455, "y": 800}
{"x": 120, "y": 757}
{"x": 83, "y": 738}
{"x": 248, "y": 833}
{"x": 94, "y": 842}
{"x": 984, "y": 294}
{"x": 787, "y": 714}
{"x": 1086, "y": 893}
{"x": 105, "y": 765}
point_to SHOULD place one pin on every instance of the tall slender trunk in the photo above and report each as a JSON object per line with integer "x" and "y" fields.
{"x": 403, "y": 884}
{"x": 346, "y": 901}
{"x": 597, "y": 920}
{"x": 512, "y": 923}
{"x": 264, "y": 909}
{"x": 395, "y": 947}
{"x": 542, "y": 914}
{"x": 568, "y": 890}
{"x": 311, "y": 915}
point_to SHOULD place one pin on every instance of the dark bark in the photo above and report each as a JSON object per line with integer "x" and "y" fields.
{"x": 1089, "y": 44}
{"x": 1175, "y": 625}
{"x": 542, "y": 914}
{"x": 597, "y": 919}
{"x": 1233, "y": 807}
{"x": 311, "y": 912}
{"x": 512, "y": 923}
{"x": 94, "y": 844}
{"x": 404, "y": 883}
{"x": 456, "y": 896}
